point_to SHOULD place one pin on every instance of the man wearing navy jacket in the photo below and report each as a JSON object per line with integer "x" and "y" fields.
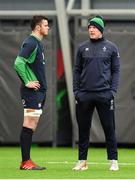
{"x": 95, "y": 82}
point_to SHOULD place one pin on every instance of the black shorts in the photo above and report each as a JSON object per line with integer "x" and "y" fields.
{"x": 33, "y": 99}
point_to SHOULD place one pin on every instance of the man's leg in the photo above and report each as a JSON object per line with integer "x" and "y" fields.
{"x": 31, "y": 118}
{"x": 29, "y": 125}
{"x": 84, "y": 113}
{"x": 105, "y": 110}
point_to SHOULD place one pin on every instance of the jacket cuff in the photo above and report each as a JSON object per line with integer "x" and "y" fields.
{"x": 75, "y": 93}
{"x": 113, "y": 93}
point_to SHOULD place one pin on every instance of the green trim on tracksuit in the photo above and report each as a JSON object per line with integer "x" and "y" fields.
{"x": 22, "y": 67}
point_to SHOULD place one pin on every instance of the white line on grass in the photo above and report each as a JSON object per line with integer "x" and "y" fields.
{"x": 67, "y": 179}
{"x": 92, "y": 163}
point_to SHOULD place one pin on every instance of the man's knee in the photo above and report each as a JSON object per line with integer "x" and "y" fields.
{"x": 31, "y": 118}
{"x": 32, "y": 112}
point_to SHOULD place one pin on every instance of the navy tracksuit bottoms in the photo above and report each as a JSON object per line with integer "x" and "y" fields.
{"x": 84, "y": 112}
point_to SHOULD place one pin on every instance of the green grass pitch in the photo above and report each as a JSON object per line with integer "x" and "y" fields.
{"x": 60, "y": 161}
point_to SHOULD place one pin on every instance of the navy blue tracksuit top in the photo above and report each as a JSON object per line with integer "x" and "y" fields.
{"x": 97, "y": 67}
{"x": 32, "y": 51}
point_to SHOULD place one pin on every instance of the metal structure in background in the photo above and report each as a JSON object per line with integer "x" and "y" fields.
{"x": 90, "y": 11}
{"x": 62, "y": 13}
{"x": 65, "y": 43}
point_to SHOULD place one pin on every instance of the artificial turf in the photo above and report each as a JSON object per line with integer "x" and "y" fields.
{"x": 60, "y": 161}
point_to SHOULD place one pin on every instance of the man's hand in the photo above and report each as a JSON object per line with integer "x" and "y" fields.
{"x": 33, "y": 84}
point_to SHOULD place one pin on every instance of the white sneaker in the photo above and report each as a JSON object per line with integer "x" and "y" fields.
{"x": 81, "y": 166}
{"x": 114, "y": 165}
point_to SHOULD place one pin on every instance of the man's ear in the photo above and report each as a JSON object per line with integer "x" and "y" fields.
{"x": 37, "y": 27}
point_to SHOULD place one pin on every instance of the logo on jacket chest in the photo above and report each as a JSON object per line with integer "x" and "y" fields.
{"x": 87, "y": 49}
{"x": 104, "y": 49}
{"x": 99, "y": 51}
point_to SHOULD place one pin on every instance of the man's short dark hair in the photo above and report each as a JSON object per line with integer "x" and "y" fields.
{"x": 37, "y": 20}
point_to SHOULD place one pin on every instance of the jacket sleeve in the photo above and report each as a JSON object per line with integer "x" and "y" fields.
{"x": 115, "y": 70}
{"x": 77, "y": 72}
{"x": 23, "y": 70}
{"x": 26, "y": 56}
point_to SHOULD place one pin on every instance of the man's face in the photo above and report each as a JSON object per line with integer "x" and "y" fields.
{"x": 94, "y": 33}
{"x": 44, "y": 27}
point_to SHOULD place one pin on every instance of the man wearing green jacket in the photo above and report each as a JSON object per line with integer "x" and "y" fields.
{"x": 30, "y": 67}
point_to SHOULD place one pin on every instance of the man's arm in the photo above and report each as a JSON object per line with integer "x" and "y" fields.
{"x": 115, "y": 71}
{"x": 26, "y": 56}
{"x": 77, "y": 72}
